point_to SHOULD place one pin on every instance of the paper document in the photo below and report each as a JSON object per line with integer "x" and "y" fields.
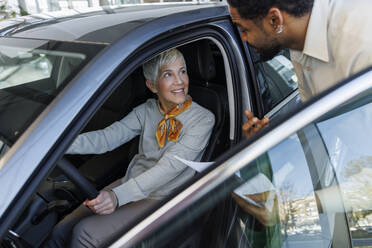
{"x": 198, "y": 166}
{"x": 260, "y": 184}
{"x": 257, "y": 185}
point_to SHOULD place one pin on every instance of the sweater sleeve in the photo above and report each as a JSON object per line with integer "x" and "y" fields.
{"x": 190, "y": 147}
{"x": 111, "y": 137}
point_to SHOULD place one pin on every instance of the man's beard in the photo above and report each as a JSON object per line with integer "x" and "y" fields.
{"x": 268, "y": 53}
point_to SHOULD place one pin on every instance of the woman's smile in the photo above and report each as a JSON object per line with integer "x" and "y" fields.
{"x": 179, "y": 91}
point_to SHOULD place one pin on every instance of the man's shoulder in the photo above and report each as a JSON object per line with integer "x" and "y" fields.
{"x": 349, "y": 27}
{"x": 341, "y": 4}
{"x": 342, "y": 12}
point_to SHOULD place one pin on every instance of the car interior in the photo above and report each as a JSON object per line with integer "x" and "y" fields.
{"x": 58, "y": 196}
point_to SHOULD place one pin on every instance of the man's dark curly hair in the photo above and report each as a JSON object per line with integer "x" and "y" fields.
{"x": 256, "y": 9}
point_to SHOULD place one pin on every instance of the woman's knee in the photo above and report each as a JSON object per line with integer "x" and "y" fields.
{"x": 61, "y": 235}
{"x": 59, "y": 238}
{"x": 84, "y": 235}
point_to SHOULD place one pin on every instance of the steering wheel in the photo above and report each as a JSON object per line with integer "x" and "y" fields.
{"x": 77, "y": 178}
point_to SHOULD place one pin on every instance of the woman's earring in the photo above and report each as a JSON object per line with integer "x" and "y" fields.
{"x": 280, "y": 29}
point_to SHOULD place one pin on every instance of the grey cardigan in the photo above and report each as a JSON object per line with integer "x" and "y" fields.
{"x": 154, "y": 172}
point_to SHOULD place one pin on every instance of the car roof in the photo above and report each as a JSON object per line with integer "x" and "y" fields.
{"x": 104, "y": 24}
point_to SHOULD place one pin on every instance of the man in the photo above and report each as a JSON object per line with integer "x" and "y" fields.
{"x": 329, "y": 40}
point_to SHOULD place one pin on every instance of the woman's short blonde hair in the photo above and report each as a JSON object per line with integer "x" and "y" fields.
{"x": 152, "y": 67}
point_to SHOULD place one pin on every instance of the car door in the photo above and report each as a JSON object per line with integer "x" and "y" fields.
{"x": 304, "y": 183}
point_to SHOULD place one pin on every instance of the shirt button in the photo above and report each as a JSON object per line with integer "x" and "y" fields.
{"x": 308, "y": 68}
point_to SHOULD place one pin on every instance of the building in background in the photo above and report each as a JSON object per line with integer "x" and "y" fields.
{"x": 24, "y": 7}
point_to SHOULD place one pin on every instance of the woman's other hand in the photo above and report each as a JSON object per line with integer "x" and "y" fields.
{"x": 105, "y": 203}
{"x": 253, "y": 124}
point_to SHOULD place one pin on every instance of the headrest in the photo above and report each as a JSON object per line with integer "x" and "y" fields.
{"x": 199, "y": 60}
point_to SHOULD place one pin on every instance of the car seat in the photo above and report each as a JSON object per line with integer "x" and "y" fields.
{"x": 201, "y": 68}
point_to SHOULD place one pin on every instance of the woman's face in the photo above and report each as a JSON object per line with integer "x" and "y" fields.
{"x": 172, "y": 85}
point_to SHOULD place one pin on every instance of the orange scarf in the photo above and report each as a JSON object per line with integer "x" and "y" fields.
{"x": 175, "y": 125}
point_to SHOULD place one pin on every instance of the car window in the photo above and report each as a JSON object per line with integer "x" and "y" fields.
{"x": 311, "y": 190}
{"x": 275, "y": 204}
{"x": 276, "y": 79}
{"x": 283, "y": 188}
{"x": 20, "y": 67}
{"x": 3, "y": 148}
{"x": 32, "y": 72}
{"x": 347, "y": 138}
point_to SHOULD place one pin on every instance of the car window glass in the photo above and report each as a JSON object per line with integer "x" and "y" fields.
{"x": 311, "y": 190}
{"x": 273, "y": 204}
{"x": 32, "y": 72}
{"x": 20, "y": 67}
{"x": 276, "y": 79}
{"x": 347, "y": 138}
{"x": 3, "y": 148}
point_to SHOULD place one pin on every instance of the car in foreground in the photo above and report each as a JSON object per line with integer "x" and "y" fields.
{"x": 305, "y": 181}
{"x": 66, "y": 74}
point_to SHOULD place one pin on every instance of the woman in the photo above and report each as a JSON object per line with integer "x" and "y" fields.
{"x": 173, "y": 125}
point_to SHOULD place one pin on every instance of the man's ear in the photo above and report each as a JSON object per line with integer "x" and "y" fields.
{"x": 275, "y": 18}
{"x": 151, "y": 86}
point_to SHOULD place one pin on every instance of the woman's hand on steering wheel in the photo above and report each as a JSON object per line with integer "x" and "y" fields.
{"x": 105, "y": 203}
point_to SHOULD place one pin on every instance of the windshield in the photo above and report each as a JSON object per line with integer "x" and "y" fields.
{"x": 32, "y": 72}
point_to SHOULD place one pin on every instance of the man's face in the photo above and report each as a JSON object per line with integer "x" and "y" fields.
{"x": 259, "y": 36}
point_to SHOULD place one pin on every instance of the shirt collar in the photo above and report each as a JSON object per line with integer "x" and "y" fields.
{"x": 316, "y": 43}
